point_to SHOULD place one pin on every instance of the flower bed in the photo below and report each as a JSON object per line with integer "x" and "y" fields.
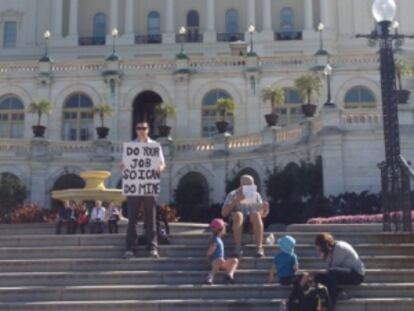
{"x": 353, "y": 219}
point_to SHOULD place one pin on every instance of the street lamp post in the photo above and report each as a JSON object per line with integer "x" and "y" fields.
{"x": 182, "y": 33}
{"x": 114, "y": 34}
{"x": 327, "y": 71}
{"x": 321, "y": 51}
{"x": 394, "y": 177}
{"x": 251, "y": 31}
{"x": 46, "y": 57}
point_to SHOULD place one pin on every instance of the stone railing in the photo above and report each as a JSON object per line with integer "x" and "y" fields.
{"x": 200, "y": 145}
{"x": 303, "y": 62}
{"x": 361, "y": 120}
{"x": 244, "y": 142}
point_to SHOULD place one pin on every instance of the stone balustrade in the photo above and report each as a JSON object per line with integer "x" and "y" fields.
{"x": 361, "y": 120}
{"x": 203, "y": 64}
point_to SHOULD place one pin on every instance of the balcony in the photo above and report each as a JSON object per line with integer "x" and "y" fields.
{"x": 148, "y": 39}
{"x": 189, "y": 38}
{"x": 230, "y": 37}
{"x": 92, "y": 40}
{"x": 288, "y": 36}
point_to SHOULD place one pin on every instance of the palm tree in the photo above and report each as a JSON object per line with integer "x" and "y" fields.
{"x": 308, "y": 86}
{"x": 102, "y": 110}
{"x": 165, "y": 111}
{"x": 224, "y": 106}
{"x": 40, "y": 107}
{"x": 276, "y": 95}
{"x": 403, "y": 70}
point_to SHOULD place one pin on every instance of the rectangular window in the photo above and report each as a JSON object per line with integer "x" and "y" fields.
{"x": 10, "y": 35}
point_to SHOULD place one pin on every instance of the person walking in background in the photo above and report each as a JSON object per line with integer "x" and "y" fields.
{"x": 134, "y": 203}
{"x": 285, "y": 263}
{"x": 215, "y": 253}
{"x": 98, "y": 216}
{"x": 244, "y": 211}
{"x": 114, "y": 215}
{"x": 344, "y": 265}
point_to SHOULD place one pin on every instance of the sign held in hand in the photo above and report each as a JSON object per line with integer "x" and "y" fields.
{"x": 141, "y": 173}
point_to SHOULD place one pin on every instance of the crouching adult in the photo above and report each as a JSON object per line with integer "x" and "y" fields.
{"x": 344, "y": 265}
{"x": 245, "y": 214}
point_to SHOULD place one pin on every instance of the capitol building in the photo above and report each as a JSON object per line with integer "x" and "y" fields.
{"x": 189, "y": 54}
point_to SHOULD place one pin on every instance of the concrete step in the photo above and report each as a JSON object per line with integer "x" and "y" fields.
{"x": 152, "y": 292}
{"x": 174, "y": 251}
{"x": 50, "y": 229}
{"x": 336, "y": 228}
{"x": 182, "y": 264}
{"x": 193, "y": 238}
{"x": 239, "y": 304}
{"x": 15, "y": 279}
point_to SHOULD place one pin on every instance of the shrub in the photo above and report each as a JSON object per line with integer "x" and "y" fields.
{"x": 12, "y": 194}
{"x": 31, "y": 213}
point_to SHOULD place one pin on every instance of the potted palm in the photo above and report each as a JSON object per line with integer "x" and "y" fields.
{"x": 403, "y": 70}
{"x": 39, "y": 107}
{"x": 308, "y": 86}
{"x": 102, "y": 110}
{"x": 165, "y": 111}
{"x": 276, "y": 95}
{"x": 224, "y": 106}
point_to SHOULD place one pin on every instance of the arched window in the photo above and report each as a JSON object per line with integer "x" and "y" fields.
{"x": 78, "y": 118}
{"x": 210, "y": 116}
{"x": 287, "y": 20}
{"x": 153, "y": 23}
{"x": 359, "y": 97}
{"x": 232, "y": 21}
{"x": 11, "y": 117}
{"x": 193, "y": 25}
{"x": 291, "y": 111}
{"x": 99, "y": 28}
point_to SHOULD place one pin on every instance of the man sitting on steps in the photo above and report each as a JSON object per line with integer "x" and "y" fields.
{"x": 245, "y": 211}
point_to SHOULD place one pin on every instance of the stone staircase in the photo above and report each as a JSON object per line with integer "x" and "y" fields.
{"x": 42, "y": 271}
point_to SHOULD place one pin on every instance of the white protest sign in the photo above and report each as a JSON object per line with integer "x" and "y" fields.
{"x": 249, "y": 193}
{"x": 141, "y": 174}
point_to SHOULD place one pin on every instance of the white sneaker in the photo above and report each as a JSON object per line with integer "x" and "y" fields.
{"x": 154, "y": 253}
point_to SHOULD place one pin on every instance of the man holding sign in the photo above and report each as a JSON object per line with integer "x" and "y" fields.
{"x": 245, "y": 207}
{"x": 142, "y": 162}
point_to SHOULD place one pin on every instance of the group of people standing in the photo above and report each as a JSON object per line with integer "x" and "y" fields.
{"x": 75, "y": 216}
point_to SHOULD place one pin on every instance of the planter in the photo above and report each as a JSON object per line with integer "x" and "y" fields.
{"x": 403, "y": 96}
{"x": 309, "y": 110}
{"x": 164, "y": 130}
{"x": 222, "y": 126}
{"x": 102, "y": 132}
{"x": 38, "y": 130}
{"x": 271, "y": 119}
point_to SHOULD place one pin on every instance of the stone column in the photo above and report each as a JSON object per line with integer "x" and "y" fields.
{"x": 57, "y": 18}
{"x": 113, "y": 20}
{"x": 73, "y": 22}
{"x": 210, "y": 33}
{"x": 308, "y": 15}
{"x": 128, "y": 37}
{"x": 169, "y": 35}
{"x": 267, "y": 31}
{"x": 309, "y": 31}
{"x": 326, "y": 13}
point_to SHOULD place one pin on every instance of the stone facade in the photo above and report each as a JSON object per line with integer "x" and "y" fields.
{"x": 348, "y": 139}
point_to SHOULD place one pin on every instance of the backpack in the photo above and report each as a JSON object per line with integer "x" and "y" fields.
{"x": 308, "y": 297}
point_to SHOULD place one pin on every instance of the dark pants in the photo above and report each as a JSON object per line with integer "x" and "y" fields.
{"x": 82, "y": 228}
{"x": 333, "y": 279}
{"x": 70, "y": 226}
{"x": 134, "y": 204}
{"x": 97, "y": 227}
{"x": 113, "y": 226}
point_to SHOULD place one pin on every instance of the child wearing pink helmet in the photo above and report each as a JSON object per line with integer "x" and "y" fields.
{"x": 215, "y": 253}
